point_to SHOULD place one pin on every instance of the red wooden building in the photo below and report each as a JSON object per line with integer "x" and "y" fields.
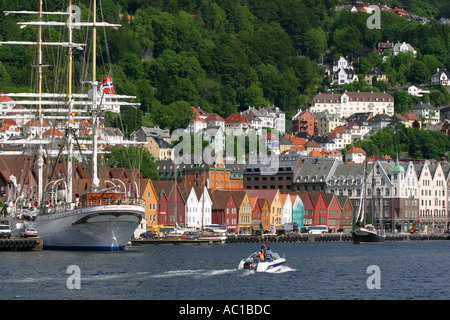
{"x": 320, "y": 208}
{"x": 308, "y": 206}
{"x": 346, "y": 213}
{"x": 224, "y": 210}
{"x": 333, "y": 212}
{"x": 172, "y": 203}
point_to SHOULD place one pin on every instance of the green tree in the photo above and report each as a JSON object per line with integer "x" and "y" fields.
{"x": 418, "y": 73}
{"x": 173, "y": 116}
{"x": 314, "y": 43}
{"x": 131, "y": 158}
{"x": 348, "y": 40}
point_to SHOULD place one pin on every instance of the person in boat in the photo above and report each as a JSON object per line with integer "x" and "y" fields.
{"x": 261, "y": 255}
{"x": 269, "y": 253}
{"x": 264, "y": 250}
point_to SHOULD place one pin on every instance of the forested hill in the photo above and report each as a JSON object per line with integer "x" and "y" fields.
{"x": 226, "y": 55}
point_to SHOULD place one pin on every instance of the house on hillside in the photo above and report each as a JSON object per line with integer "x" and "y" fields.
{"x": 404, "y": 48}
{"x": 374, "y": 74}
{"x": 303, "y": 121}
{"x": 160, "y": 148}
{"x": 343, "y": 72}
{"x": 348, "y": 103}
{"x": 355, "y": 155}
{"x": 441, "y": 77}
{"x": 428, "y": 112}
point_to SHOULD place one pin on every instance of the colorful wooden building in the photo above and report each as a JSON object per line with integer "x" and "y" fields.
{"x": 224, "y": 210}
{"x": 320, "y": 208}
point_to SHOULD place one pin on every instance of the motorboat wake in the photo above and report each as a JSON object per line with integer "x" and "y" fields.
{"x": 269, "y": 265}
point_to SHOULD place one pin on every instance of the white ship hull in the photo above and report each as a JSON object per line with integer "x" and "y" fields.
{"x": 107, "y": 228}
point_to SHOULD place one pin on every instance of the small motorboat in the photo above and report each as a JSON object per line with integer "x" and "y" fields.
{"x": 266, "y": 265}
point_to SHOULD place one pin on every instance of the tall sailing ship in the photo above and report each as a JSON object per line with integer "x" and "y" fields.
{"x": 105, "y": 216}
{"x": 363, "y": 233}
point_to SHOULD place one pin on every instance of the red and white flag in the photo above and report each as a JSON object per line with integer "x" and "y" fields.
{"x": 108, "y": 85}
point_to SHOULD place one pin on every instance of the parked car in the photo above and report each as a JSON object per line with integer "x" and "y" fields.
{"x": 147, "y": 235}
{"x": 29, "y": 232}
{"x": 287, "y": 228}
{"x": 5, "y": 231}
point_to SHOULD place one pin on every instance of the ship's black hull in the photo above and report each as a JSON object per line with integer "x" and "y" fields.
{"x": 367, "y": 238}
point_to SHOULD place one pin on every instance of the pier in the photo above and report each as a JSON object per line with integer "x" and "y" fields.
{"x": 182, "y": 242}
{"x": 21, "y": 244}
{"x": 329, "y": 237}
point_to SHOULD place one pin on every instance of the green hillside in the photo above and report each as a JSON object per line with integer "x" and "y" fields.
{"x": 226, "y": 55}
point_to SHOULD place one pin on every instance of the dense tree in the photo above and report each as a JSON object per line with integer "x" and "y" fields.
{"x": 131, "y": 158}
{"x": 224, "y": 55}
{"x": 412, "y": 142}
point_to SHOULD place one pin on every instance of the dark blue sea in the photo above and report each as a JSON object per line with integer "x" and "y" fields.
{"x": 408, "y": 270}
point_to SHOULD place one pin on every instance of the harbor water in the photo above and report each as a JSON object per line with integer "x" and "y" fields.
{"x": 326, "y": 271}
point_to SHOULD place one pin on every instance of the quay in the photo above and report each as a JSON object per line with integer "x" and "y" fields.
{"x": 165, "y": 241}
{"x": 329, "y": 237}
{"x": 21, "y": 244}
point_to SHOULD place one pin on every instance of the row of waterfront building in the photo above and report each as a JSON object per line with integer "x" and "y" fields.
{"x": 397, "y": 193}
{"x": 308, "y": 191}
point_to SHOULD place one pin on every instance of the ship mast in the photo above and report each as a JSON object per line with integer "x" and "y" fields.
{"x": 69, "y": 101}
{"x": 95, "y": 180}
{"x": 40, "y": 157}
{"x": 70, "y": 107}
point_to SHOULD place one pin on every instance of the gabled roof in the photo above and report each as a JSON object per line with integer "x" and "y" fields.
{"x": 236, "y": 117}
{"x": 53, "y": 132}
{"x": 423, "y": 106}
{"x": 214, "y": 117}
{"x": 220, "y": 199}
{"x": 356, "y": 150}
{"x": 268, "y": 194}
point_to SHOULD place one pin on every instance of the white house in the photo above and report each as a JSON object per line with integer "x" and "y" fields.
{"x": 214, "y": 120}
{"x": 342, "y": 63}
{"x": 415, "y": 91}
{"x": 343, "y": 72}
{"x": 278, "y": 115}
{"x": 111, "y": 135}
{"x": 198, "y": 205}
{"x": 404, "y": 48}
{"x": 286, "y": 216}
{"x": 32, "y": 127}
{"x": 9, "y": 129}
{"x": 344, "y": 76}
{"x": 355, "y": 155}
{"x": 216, "y": 138}
{"x": 441, "y": 77}
{"x": 236, "y": 124}
{"x": 430, "y": 113}
{"x": 196, "y": 125}
{"x": 348, "y": 103}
